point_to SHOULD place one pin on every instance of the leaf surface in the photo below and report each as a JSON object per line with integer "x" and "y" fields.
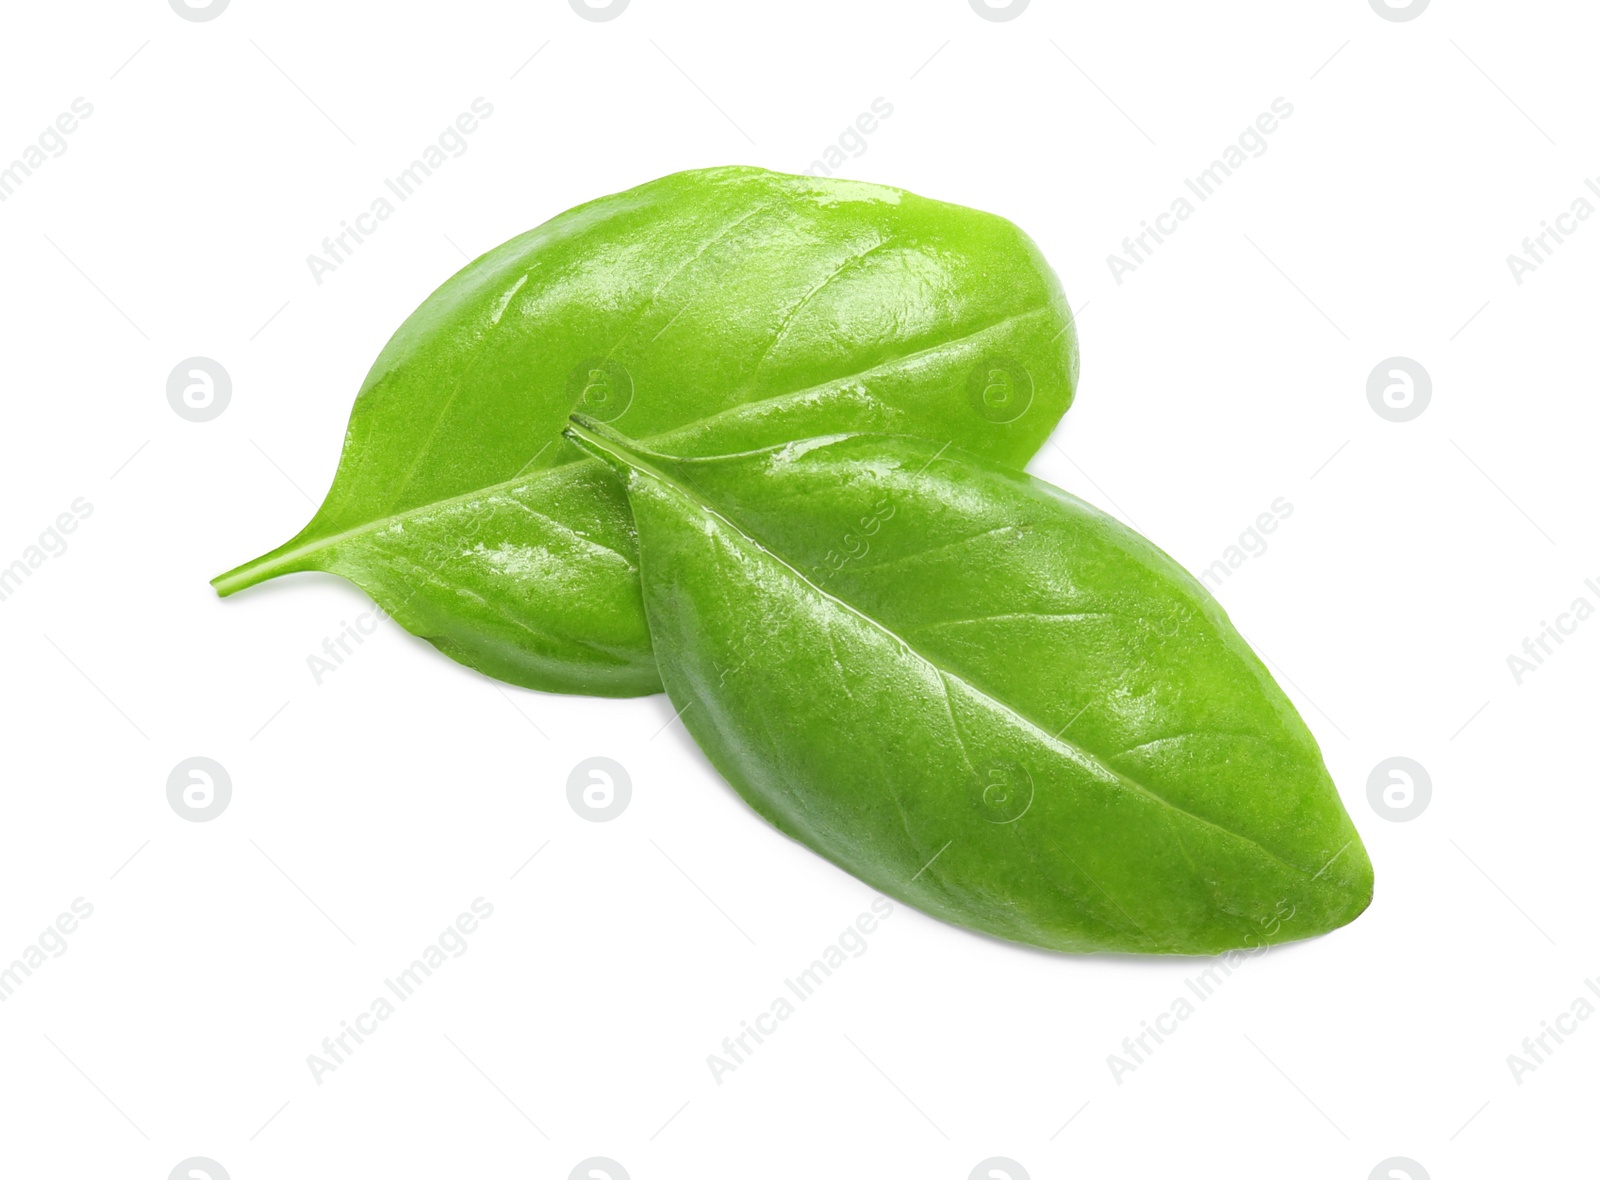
{"x": 713, "y": 310}
{"x": 984, "y": 697}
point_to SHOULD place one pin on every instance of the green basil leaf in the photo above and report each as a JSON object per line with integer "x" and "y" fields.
{"x": 984, "y": 697}
{"x": 717, "y": 310}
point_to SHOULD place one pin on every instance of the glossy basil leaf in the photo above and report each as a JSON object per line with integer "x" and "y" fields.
{"x": 984, "y": 697}
{"x": 717, "y": 310}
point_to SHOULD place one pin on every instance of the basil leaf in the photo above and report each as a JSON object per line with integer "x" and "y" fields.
{"x": 984, "y": 697}
{"x": 720, "y": 309}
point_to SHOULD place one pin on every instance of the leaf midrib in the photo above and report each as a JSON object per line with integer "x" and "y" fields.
{"x": 316, "y": 545}
{"x": 1072, "y": 749}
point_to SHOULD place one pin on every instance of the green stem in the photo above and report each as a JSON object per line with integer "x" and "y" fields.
{"x": 286, "y": 559}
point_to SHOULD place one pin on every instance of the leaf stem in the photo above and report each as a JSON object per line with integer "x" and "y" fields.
{"x": 286, "y": 559}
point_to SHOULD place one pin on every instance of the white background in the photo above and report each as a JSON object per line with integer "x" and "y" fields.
{"x": 367, "y": 811}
